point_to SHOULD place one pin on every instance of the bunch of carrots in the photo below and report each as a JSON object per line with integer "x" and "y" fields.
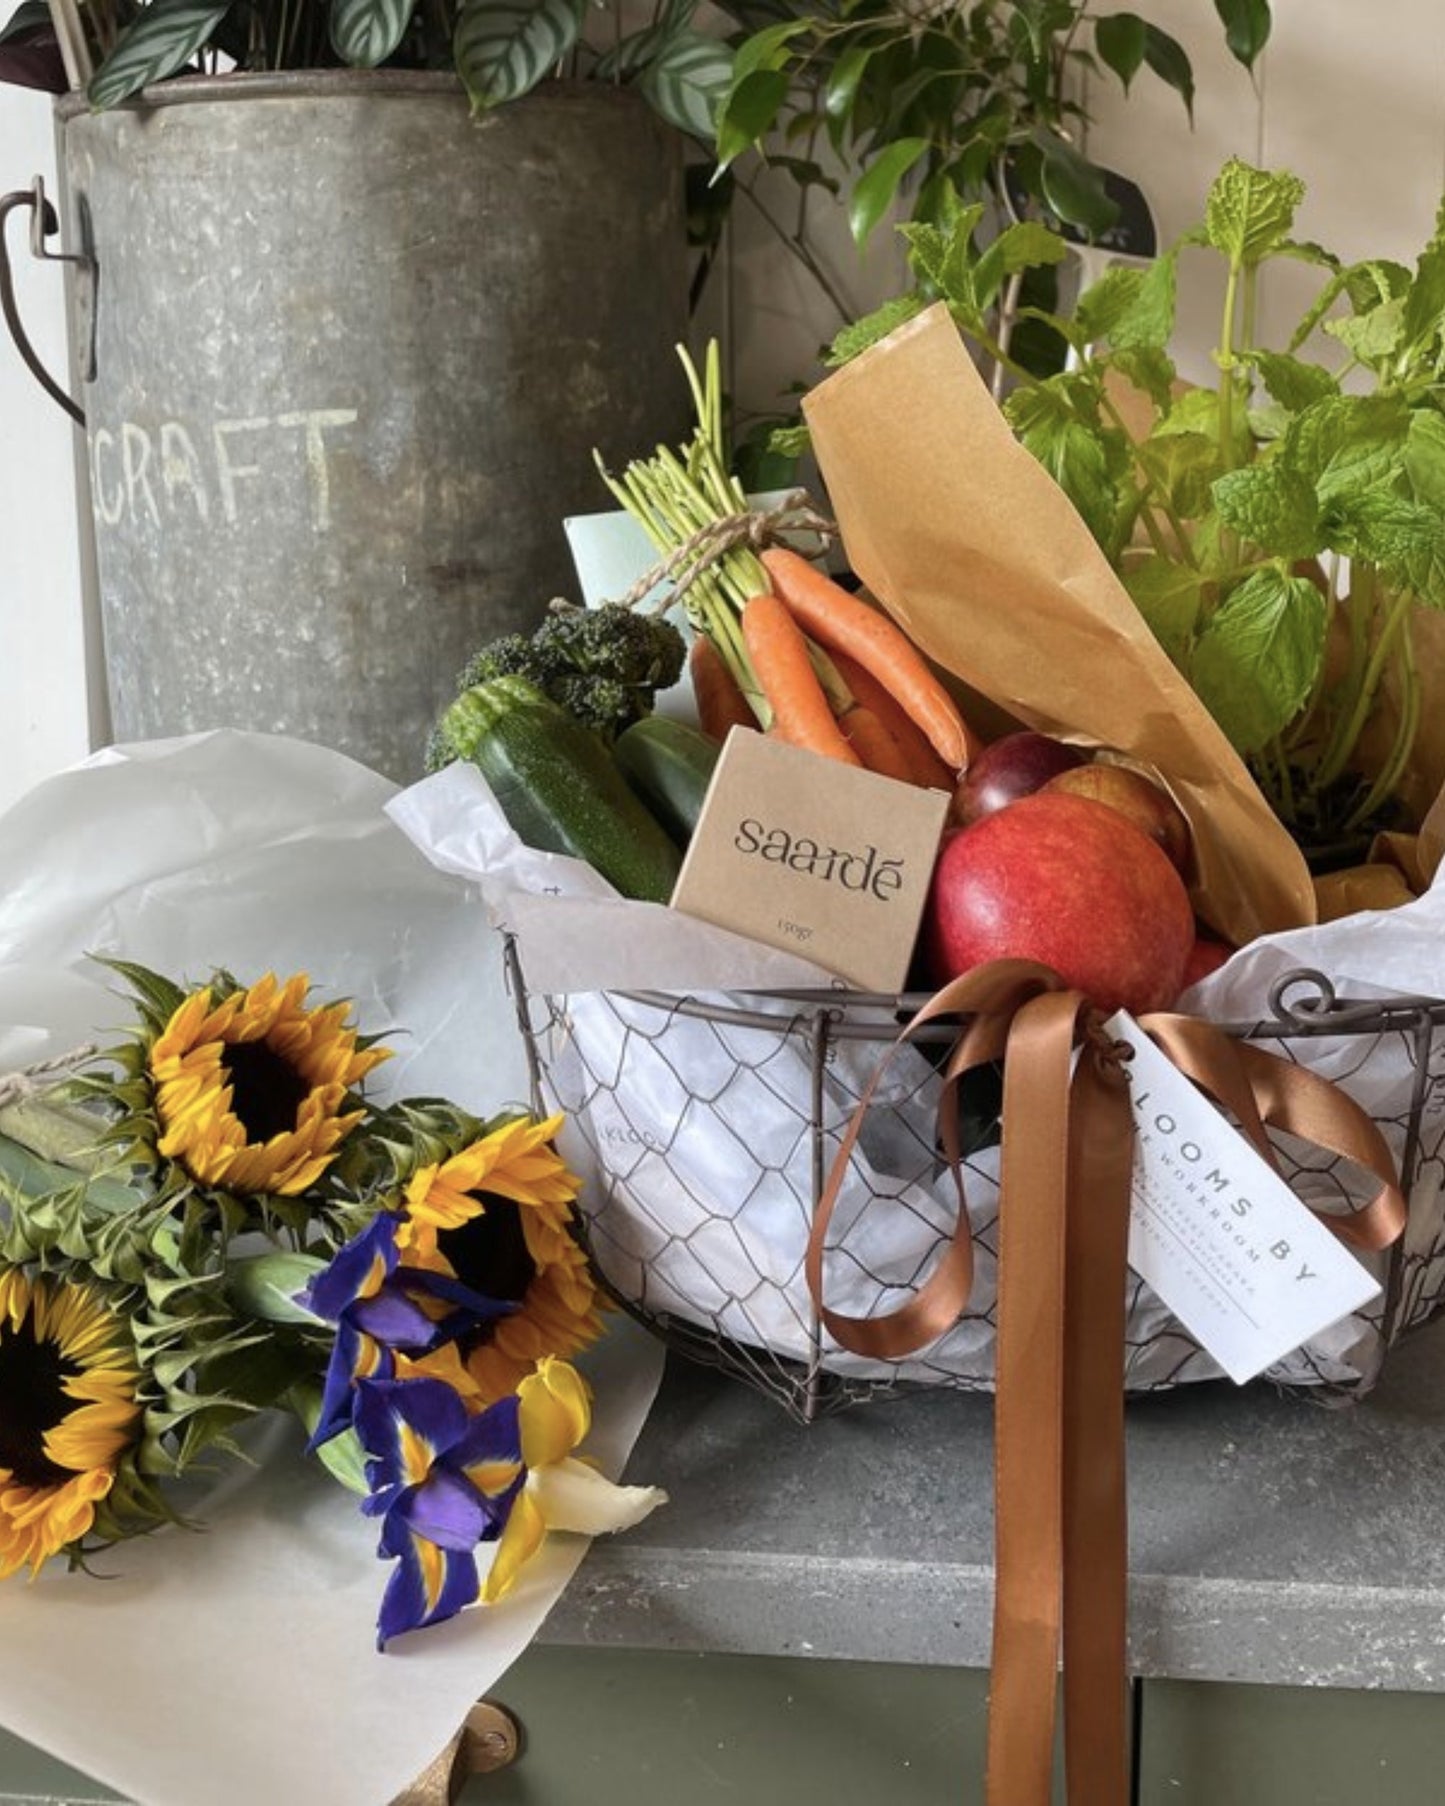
{"x": 778, "y": 644}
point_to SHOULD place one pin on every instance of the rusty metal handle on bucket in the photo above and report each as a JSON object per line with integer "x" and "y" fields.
{"x": 43, "y": 225}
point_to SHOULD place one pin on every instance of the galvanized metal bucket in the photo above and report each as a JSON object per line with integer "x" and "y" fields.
{"x": 349, "y": 353}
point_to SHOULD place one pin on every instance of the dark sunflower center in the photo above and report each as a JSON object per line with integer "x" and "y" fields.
{"x": 32, "y": 1401}
{"x": 489, "y": 1254}
{"x": 266, "y": 1090}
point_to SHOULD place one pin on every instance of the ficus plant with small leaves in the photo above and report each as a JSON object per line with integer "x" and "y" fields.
{"x": 1280, "y": 530}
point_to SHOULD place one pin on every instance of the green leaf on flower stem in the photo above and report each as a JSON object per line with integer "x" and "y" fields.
{"x": 1373, "y": 336}
{"x": 1119, "y": 39}
{"x": 943, "y": 258}
{"x": 266, "y": 1285}
{"x": 1273, "y": 506}
{"x": 856, "y": 338}
{"x": 1257, "y": 660}
{"x": 365, "y": 32}
{"x": 876, "y": 189}
{"x": 1169, "y": 596}
{"x": 1291, "y": 381}
{"x": 1249, "y": 212}
{"x": 1169, "y": 60}
{"x": 1104, "y": 303}
{"x": 688, "y": 81}
{"x": 1348, "y": 442}
{"x": 503, "y": 48}
{"x": 1246, "y": 27}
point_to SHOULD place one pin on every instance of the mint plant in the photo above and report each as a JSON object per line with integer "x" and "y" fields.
{"x": 1289, "y": 512}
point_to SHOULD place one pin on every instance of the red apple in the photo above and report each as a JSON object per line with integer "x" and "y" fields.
{"x": 1068, "y": 882}
{"x": 1006, "y": 769}
{"x": 1145, "y": 803}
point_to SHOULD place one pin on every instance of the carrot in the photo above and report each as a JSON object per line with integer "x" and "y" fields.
{"x": 779, "y": 653}
{"x": 841, "y": 623}
{"x": 720, "y": 703}
{"x": 874, "y": 744}
{"x": 925, "y": 768}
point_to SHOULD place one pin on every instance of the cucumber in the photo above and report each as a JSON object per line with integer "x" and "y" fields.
{"x": 558, "y": 787}
{"x": 670, "y": 766}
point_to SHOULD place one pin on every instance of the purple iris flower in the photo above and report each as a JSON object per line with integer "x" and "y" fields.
{"x": 442, "y": 1481}
{"x": 376, "y": 1305}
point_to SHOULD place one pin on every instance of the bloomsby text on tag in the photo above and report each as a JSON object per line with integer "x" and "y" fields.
{"x": 1243, "y": 1264}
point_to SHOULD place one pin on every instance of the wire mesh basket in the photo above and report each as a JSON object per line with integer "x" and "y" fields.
{"x": 705, "y": 1127}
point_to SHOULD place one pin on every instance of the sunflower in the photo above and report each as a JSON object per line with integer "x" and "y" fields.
{"x": 497, "y": 1217}
{"x": 251, "y": 1088}
{"x": 68, "y": 1413}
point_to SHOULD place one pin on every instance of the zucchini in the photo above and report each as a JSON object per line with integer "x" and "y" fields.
{"x": 670, "y": 766}
{"x": 558, "y": 787}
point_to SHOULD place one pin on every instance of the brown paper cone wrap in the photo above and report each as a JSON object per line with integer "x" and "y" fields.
{"x": 971, "y": 546}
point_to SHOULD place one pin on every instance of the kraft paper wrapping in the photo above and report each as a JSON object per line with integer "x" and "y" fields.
{"x": 964, "y": 538}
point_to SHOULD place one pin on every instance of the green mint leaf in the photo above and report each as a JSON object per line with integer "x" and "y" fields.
{"x": 1184, "y": 466}
{"x": 1270, "y": 422}
{"x": 1169, "y": 597}
{"x": 1256, "y": 662}
{"x": 1404, "y": 538}
{"x": 1425, "y": 306}
{"x": 1273, "y": 506}
{"x": 1197, "y": 411}
{"x": 857, "y": 337}
{"x": 1424, "y": 458}
{"x": 1291, "y": 381}
{"x": 1151, "y": 371}
{"x": 1026, "y": 245}
{"x": 1305, "y": 250}
{"x": 1374, "y": 336}
{"x": 1148, "y": 322}
{"x": 1104, "y": 303}
{"x": 790, "y": 442}
{"x": 1091, "y": 466}
{"x": 1347, "y": 442}
{"x": 944, "y": 260}
{"x": 1375, "y": 280}
{"x": 1250, "y": 212}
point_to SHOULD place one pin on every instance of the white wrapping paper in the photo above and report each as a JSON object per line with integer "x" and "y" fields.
{"x": 238, "y": 1665}
{"x": 695, "y": 1131}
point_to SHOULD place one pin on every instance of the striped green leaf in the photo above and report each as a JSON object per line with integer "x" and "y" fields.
{"x": 504, "y": 47}
{"x": 154, "y": 45}
{"x": 689, "y": 82}
{"x": 365, "y": 32}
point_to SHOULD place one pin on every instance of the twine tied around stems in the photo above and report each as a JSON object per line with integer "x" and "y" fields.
{"x": 16, "y": 1086}
{"x": 700, "y": 551}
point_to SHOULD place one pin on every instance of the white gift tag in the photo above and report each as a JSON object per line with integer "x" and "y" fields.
{"x": 1246, "y": 1267}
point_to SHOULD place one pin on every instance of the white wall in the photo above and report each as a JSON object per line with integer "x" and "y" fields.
{"x": 43, "y": 711}
{"x": 1351, "y": 97}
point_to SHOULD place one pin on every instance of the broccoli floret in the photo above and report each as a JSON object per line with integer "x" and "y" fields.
{"x": 604, "y": 665}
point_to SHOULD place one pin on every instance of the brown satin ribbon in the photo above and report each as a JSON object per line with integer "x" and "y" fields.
{"x": 1060, "y": 1501}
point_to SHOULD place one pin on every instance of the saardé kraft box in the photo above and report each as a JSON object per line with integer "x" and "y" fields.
{"x": 822, "y": 858}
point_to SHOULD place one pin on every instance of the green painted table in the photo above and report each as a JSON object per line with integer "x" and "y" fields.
{"x": 808, "y": 1620}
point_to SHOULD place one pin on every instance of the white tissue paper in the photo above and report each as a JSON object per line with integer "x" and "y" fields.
{"x": 238, "y": 1664}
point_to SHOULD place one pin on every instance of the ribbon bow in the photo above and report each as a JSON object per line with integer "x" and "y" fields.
{"x": 1060, "y": 1509}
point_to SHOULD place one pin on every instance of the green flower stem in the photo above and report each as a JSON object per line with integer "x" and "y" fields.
{"x": 1342, "y": 744}
{"x": 1151, "y": 488}
{"x": 1226, "y": 360}
{"x": 54, "y": 1132}
{"x": 1284, "y": 783}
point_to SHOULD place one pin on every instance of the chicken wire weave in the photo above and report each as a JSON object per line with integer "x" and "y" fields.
{"x": 705, "y": 1127}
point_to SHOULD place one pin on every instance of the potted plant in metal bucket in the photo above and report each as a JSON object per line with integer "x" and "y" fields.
{"x": 362, "y": 286}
